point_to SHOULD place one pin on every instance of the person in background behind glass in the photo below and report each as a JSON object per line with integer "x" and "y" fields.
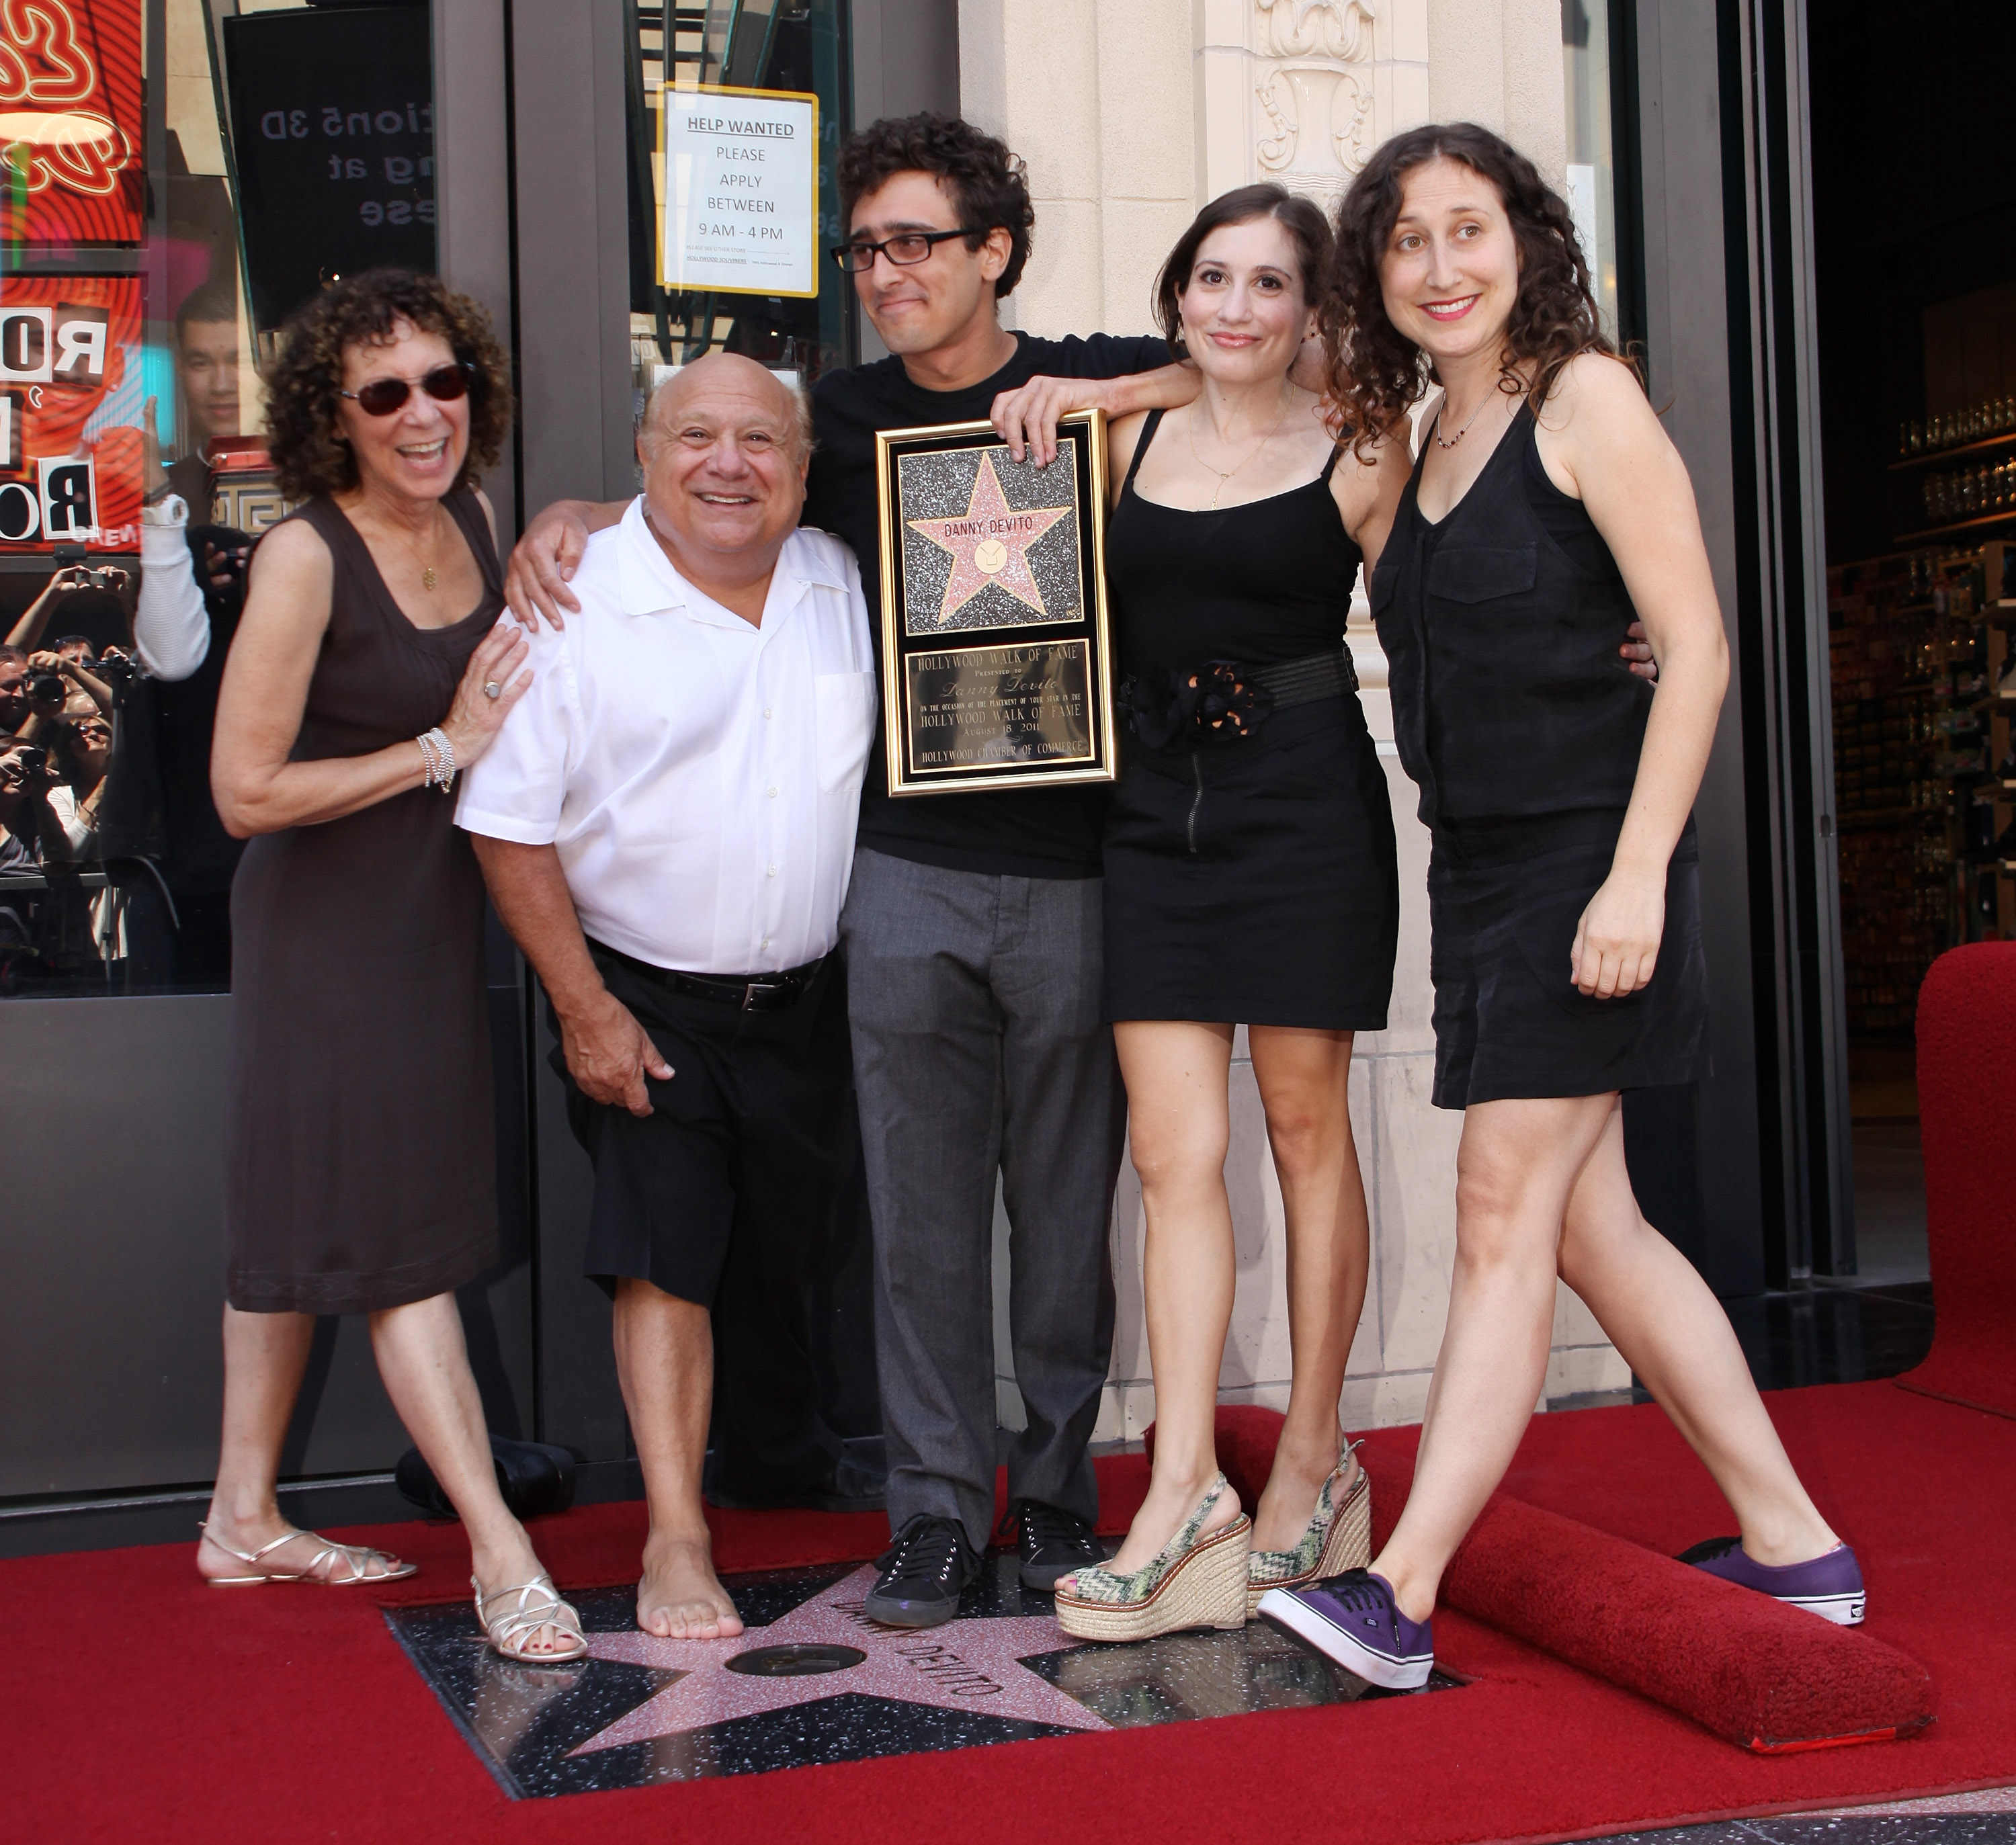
{"x": 206, "y": 366}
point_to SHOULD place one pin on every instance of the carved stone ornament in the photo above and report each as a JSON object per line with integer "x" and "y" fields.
{"x": 1317, "y": 28}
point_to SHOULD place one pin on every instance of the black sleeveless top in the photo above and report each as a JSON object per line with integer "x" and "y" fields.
{"x": 1501, "y": 626}
{"x": 1259, "y": 584}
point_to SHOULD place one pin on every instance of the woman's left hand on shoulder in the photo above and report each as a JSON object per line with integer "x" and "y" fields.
{"x": 1617, "y": 941}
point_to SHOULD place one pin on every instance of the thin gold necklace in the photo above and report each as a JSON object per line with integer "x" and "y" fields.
{"x": 430, "y": 580}
{"x": 1189, "y": 429}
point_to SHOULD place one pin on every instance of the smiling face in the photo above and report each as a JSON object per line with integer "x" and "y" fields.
{"x": 1450, "y": 271}
{"x": 920, "y": 307}
{"x": 724, "y": 460}
{"x": 417, "y": 452}
{"x": 1245, "y": 313}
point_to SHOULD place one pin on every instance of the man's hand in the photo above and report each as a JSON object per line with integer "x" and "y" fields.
{"x": 609, "y": 1055}
{"x": 153, "y": 476}
{"x": 1026, "y": 418}
{"x": 1637, "y": 652}
{"x": 548, "y": 553}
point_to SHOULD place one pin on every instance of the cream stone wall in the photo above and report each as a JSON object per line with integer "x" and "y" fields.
{"x": 1131, "y": 114}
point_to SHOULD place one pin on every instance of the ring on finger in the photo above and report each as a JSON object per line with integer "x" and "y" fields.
{"x": 492, "y": 689}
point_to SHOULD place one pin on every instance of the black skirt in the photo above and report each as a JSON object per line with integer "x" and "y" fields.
{"x": 1505, "y": 898}
{"x": 1255, "y": 883}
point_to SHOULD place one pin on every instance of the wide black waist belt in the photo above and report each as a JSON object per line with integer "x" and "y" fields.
{"x": 1222, "y": 702}
{"x": 1303, "y": 682}
{"x": 748, "y": 993}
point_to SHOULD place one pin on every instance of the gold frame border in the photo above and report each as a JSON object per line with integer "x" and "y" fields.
{"x": 665, "y": 188}
{"x": 1005, "y": 647}
{"x": 1105, "y": 766}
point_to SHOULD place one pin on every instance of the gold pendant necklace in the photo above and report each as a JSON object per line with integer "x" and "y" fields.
{"x": 430, "y": 578}
{"x": 1190, "y": 429}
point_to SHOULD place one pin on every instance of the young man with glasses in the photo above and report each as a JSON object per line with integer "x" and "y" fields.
{"x": 972, "y": 927}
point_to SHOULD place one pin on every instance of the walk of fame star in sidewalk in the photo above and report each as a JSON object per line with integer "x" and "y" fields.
{"x": 815, "y": 1682}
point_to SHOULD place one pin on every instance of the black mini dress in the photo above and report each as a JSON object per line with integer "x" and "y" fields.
{"x": 1249, "y": 863}
{"x": 1522, "y": 728}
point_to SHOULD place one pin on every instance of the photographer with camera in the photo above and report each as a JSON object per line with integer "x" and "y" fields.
{"x": 93, "y": 587}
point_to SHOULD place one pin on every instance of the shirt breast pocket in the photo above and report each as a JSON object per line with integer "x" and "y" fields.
{"x": 845, "y": 723}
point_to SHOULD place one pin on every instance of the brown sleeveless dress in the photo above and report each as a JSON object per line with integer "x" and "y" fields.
{"x": 360, "y": 1168}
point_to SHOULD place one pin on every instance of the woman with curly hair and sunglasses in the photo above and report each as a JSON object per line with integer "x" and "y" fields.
{"x": 368, "y": 670}
{"x": 1547, "y": 507}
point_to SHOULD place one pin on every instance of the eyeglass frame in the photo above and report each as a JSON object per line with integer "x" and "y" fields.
{"x": 841, "y": 252}
{"x": 464, "y": 368}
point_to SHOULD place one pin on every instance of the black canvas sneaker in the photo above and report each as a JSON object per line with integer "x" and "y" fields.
{"x": 1054, "y": 1543}
{"x": 922, "y": 1573}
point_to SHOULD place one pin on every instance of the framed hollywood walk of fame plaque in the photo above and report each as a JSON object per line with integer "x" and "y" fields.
{"x": 996, "y": 672}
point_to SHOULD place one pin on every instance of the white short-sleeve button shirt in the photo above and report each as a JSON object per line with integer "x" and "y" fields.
{"x": 700, "y": 777}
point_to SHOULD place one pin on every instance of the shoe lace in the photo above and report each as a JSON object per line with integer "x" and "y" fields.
{"x": 1355, "y": 1590}
{"x": 927, "y": 1549}
{"x": 1043, "y": 1527}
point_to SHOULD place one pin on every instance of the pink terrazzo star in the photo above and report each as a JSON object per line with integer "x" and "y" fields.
{"x": 988, "y": 542}
{"x": 971, "y": 1664}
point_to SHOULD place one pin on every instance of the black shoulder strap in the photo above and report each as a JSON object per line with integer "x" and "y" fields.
{"x": 1148, "y": 430}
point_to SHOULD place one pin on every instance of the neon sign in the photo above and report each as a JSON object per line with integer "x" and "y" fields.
{"x": 69, "y": 111}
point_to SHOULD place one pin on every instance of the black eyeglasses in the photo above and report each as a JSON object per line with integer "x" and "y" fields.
{"x": 903, "y": 250}
{"x": 382, "y": 396}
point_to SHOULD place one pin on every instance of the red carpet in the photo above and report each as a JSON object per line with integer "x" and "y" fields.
{"x": 1966, "y": 1087}
{"x": 149, "y": 1706}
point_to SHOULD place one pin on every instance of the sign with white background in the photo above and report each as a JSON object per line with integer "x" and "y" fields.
{"x": 741, "y": 192}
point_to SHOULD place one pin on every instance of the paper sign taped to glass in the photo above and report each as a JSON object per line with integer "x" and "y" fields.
{"x": 996, "y": 669}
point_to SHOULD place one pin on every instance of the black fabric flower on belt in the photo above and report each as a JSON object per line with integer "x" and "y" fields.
{"x": 1219, "y": 702}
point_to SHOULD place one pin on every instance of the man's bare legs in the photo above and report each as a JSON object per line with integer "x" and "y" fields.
{"x": 664, "y": 1357}
{"x": 1178, "y": 1130}
{"x": 1304, "y": 1077}
{"x": 1525, "y": 1169}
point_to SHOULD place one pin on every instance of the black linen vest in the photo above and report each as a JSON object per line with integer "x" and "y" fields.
{"x": 1509, "y": 698}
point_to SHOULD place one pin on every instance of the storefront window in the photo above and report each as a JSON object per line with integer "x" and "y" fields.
{"x": 163, "y": 207}
{"x": 1592, "y": 173}
{"x": 738, "y": 186}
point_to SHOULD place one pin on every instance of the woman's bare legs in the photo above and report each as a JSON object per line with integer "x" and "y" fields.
{"x": 264, "y": 1355}
{"x": 1178, "y": 1129}
{"x": 1304, "y": 1078}
{"x": 1673, "y": 1331}
{"x": 425, "y": 1364}
{"x": 1523, "y": 1169}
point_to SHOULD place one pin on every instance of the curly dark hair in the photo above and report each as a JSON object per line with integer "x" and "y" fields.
{"x": 989, "y": 184}
{"x": 310, "y": 456}
{"x": 1303, "y": 221}
{"x": 1376, "y": 372}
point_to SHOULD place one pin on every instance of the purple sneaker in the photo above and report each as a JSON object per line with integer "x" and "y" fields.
{"x": 1354, "y": 1620}
{"x": 1830, "y": 1586}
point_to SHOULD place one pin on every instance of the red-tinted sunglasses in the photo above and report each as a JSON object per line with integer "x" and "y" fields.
{"x": 382, "y": 396}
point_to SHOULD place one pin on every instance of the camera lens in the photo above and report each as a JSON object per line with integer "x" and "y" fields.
{"x": 45, "y": 685}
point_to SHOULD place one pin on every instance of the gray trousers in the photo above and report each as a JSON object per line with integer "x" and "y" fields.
{"x": 979, "y": 1049}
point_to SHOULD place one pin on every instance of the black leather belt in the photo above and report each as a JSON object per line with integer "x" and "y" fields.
{"x": 747, "y": 992}
{"x": 1303, "y": 682}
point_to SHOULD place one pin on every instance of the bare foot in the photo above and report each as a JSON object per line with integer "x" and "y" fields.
{"x": 680, "y": 1597}
{"x": 1290, "y": 1501}
{"x": 296, "y": 1557}
{"x": 1168, "y": 1504}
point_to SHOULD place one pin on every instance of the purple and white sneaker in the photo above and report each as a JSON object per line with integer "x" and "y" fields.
{"x": 1830, "y": 1586}
{"x": 1354, "y": 1620}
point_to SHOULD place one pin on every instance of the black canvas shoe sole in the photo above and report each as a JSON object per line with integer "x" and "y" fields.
{"x": 917, "y": 1612}
{"x": 1046, "y": 1577}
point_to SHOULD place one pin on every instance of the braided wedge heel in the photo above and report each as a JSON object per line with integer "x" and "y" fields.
{"x": 1198, "y": 1581}
{"x": 1339, "y": 1537}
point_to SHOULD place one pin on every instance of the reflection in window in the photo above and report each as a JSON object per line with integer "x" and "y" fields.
{"x": 787, "y": 45}
{"x": 1591, "y": 175}
{"x": 127, "y": 295}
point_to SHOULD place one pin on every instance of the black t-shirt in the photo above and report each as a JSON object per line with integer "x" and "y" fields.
{"x": 1050, "y": 833}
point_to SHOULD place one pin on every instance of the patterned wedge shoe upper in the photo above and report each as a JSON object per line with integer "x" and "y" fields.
{"x": 1115, "y": 1590}
{"x": 1338, "y": 1537}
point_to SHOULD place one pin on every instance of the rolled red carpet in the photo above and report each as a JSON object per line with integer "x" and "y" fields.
{"x": 1746, "y": 1667}
{"x": 1967, "y": 1087}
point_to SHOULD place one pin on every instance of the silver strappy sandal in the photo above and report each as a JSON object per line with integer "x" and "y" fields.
{"x": 357, "y": 1557}
{"x": 539, "y": 1606}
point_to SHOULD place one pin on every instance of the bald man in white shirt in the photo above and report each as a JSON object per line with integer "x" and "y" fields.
{"x": 666, "y": 822}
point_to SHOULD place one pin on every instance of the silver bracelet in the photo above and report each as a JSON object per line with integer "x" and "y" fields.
{"x": 438, "y": 753}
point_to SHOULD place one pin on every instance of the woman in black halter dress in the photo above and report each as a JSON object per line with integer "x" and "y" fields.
{"x": 1250, "y": 879}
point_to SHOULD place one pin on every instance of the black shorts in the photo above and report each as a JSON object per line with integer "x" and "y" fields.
{"x": 749, "y": 1136}
{"x": 1504, "y": 900}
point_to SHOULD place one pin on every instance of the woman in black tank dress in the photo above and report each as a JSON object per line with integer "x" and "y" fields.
{"x": 1547, "y": 506}
{"x": 1250, "y": 879}
{"x": 369, "y": 666}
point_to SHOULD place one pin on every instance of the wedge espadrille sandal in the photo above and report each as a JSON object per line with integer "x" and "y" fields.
{"x": 1198, "y": 1581}
{"x": 1339, "y": 1537}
